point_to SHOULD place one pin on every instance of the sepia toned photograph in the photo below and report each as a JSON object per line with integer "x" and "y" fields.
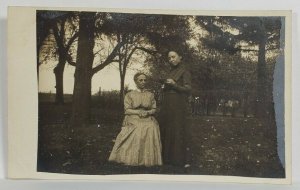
{"x": 133, "y": 93}
{"x": 117, "y": 94}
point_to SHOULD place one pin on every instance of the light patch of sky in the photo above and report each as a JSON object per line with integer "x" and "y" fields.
{"x": 107, "y": 79}
{"x": 197, "y": 32}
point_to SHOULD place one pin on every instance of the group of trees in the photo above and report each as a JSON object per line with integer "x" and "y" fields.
{"x": 259, "y": 35}
{"x": 222, "y": 43}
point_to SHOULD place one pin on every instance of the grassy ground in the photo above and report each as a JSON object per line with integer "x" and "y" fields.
{"x": 216, "y": 146}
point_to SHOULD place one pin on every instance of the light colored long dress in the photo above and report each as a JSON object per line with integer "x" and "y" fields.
{"x": 138, "y": 143}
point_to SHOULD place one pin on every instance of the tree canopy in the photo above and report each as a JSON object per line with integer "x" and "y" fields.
{"x": 223, "y": 52}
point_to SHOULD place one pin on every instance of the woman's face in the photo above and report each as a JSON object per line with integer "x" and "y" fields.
{"x": 140, "y": 81}
{"x": 174, "y": 58}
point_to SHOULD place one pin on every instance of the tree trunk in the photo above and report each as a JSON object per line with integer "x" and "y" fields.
{"x": 83, "y": 71}
{"x": 122, "y": 88}
{"x": 122, "y": 84}
{"x": 59, "y": 77}
{"x": 261, "y": 108}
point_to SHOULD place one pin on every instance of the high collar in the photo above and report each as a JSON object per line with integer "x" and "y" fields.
{"x": 139, "y": 90}
{"x": 180, "y": 65}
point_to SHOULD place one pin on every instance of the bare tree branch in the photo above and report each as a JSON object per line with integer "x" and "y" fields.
{"x": 71, "y": 41}
{"x": 130, "y": 55}
{"x": 70, "y": 61}
{"x": 109, "y": 58}
{"x": 149, "y": 51}
{"x": 98, "y": 51}
{"x": 254, "y": 50}
{"x": 57, "y": 37}
{"x": 62, "y": 30}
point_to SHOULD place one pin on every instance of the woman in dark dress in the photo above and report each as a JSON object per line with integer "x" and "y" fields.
{"x": 177, "y": 87}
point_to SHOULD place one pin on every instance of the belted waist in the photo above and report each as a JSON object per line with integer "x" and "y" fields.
{"x": 142, "y": 108}
{"x": 171, "y": 92}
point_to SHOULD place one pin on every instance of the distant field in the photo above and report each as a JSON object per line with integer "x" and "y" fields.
{"x": 50, "y": 97}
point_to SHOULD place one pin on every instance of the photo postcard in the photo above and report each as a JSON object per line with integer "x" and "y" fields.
{"x": 162, "y": 95}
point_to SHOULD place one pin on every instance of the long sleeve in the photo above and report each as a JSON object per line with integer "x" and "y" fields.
{"x": 186, "y": 86}
{"x": 153, "y": 105}
{"x": 128, "y": 106}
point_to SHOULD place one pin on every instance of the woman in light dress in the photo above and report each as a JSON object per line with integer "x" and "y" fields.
{"x": 138, "y": 143}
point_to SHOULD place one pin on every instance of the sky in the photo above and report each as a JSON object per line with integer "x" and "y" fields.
{"x": 106, "y": 79}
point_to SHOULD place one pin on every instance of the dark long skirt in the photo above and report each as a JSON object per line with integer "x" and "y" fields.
{"x": 172, "y": 125}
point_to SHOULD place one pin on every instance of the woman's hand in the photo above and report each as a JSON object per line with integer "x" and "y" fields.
{"x": 170, "y": 82}
{"x": 143, "y": 113}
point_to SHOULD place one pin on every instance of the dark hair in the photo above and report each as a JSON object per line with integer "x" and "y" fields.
{"x": 137, "y": 75}
{"x": 179, "y": 52}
